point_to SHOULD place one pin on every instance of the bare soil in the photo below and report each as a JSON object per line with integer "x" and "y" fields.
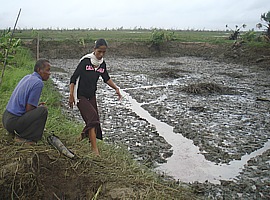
{"x": 241, "y": 54}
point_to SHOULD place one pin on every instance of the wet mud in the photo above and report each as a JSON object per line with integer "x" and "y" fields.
{"x": 220, "y": 110}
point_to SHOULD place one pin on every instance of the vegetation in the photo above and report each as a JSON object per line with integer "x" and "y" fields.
{"x": 86, "y": 37}
{"x": 40, "y": 172}
{"x": 253, "y": 37}
{"x": 7, "y": 45}
{"x": 236, "y": 32}
{"x": 8, "y": 48}
{"x": 160, "y": 36}
{"x": 266, "y": 18}
{"x": 124, "y": 35}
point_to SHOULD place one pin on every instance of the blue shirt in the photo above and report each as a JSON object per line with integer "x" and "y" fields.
{"x": 27, "y": 91}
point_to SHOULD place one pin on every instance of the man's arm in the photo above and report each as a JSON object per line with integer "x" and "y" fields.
{"x": 29, "y": 107}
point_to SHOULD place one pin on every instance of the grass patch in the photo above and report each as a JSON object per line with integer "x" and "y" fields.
{"x": 122, "y": 35}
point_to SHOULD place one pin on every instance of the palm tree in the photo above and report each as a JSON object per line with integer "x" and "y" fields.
{"x": 266, "y": 18}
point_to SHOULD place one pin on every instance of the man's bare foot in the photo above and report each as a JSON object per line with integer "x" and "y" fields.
{"x": 24, "y": 141}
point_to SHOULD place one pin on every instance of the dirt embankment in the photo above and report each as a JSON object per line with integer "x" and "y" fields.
{"x": 230, "y": 53}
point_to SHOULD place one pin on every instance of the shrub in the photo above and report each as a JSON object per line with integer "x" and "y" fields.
{"x": 250, "y": 36}
{"x": 160, "y": 36}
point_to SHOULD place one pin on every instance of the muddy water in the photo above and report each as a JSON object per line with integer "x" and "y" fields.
{"x": 193, "y": 137}
{"x": 187, "y": 163}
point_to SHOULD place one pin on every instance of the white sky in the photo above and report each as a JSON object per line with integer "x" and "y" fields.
{"x": 167, "y": 14}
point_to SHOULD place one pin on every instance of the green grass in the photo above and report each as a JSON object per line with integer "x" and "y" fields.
{"x": 90, "y": 35}
{"x": 121, "y": 35}
{"x": 124, "y": 35}
{"x": 14, "y": 71}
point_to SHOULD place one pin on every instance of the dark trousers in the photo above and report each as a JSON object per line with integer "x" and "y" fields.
{"x": 29, "y": 126}
{"x": 89, "y": 112}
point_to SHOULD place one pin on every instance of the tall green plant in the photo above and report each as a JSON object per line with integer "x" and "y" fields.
{"x": 160, "y": 36}
{"x": 4, "y": 46}
{"x": 266, "y": 18}
{"x": 249, "y": 36}
{"x": 235, "y": 33}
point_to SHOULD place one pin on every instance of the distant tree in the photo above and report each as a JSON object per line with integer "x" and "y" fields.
{"x": 235, "y": 33}
{"x": 266, "y": 18}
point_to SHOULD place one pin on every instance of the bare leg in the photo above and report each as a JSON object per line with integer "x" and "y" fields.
{"x": 93, "y": 140}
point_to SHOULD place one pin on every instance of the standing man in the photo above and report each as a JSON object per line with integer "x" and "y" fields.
{"x": 25, "y": 117}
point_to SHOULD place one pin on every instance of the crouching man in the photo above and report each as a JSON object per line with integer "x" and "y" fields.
{"x": 25, "y": 117}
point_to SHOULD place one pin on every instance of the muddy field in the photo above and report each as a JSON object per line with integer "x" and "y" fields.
{"x": 222, "y": 108}
{"x": 195, "y": 111}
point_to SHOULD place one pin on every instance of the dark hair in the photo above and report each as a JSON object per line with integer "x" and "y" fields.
{"x": 40, "y": 64}
{"x": 100, "y": 42}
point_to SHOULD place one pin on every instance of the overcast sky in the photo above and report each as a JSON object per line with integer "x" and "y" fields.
{"x": 167, "y": 14}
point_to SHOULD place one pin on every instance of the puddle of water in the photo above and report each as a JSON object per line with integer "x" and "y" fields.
{"x": 187, "y": 163}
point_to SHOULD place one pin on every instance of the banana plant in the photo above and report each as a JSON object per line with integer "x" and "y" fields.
{"x": 7, "y": 45}
{"x": 235, "y": 33}
{"x": 266, "y": 18}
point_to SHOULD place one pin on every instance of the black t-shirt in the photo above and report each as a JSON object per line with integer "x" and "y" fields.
{"x": 89, "y": 77}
